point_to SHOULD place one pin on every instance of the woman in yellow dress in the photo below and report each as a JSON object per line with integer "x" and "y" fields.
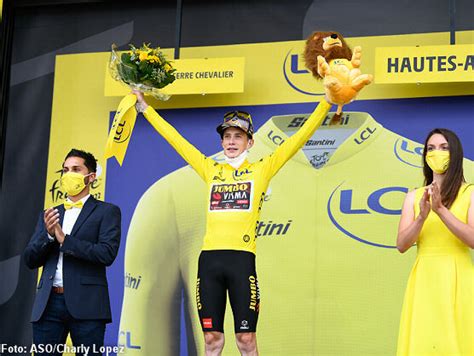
{"x": 438, "y": 309}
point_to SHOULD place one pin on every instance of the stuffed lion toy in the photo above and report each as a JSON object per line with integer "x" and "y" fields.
{"x": 329, "y": 58}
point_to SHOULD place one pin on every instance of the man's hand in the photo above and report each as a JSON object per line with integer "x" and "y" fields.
{"x": 59, "y": 233}
{"x": 141, "y": 103}
{"x": 51, "y": 219}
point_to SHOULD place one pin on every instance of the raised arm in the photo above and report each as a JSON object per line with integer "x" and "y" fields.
{"x": 190, "y": 154}
{"x": 291, "y": 145}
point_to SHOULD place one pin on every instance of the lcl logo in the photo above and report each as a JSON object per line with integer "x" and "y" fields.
{"x": 123, "y": 132}
{"x": 358, "y": 215}
{"x": 299, "y": 78}
{"x": 409, "y": 153}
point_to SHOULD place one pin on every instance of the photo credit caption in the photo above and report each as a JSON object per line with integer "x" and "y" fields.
{"x": 60, "y": 348}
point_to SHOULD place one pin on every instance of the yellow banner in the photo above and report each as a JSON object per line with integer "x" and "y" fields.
{"x": 274, "y": 74}
{"x": 196, "y": 76}
{"x": 122, "y": 128}
{"x": 424, "y": 64}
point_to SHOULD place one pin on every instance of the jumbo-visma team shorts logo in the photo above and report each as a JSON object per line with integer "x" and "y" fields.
{"x": 366, "y": 214}
{"x": 230, "y": 196}
{"x": 298, "y": 77}
{"x": 410, "y": 153}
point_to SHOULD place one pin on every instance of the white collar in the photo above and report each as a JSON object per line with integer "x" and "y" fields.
{"x": 83, "y": 199}
{"x": 236, "y": 162}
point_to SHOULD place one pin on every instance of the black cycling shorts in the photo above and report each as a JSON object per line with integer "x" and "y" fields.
{"x": 220, "y": 271}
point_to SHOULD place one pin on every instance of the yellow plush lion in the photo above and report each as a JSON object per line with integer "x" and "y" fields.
{"x": 328, "y": 57}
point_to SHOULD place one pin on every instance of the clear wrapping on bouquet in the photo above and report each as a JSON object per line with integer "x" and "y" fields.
{"x": 145, "y": 69}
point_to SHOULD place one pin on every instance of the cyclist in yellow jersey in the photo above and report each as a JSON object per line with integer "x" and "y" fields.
{"x": 327, "y": 220}
{"x": 235, "y": 195}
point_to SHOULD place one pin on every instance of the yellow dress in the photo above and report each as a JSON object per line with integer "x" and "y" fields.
{"x": 438, "y": 309}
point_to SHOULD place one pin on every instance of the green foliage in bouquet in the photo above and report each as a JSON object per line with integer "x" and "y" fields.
{"x": 145, "y": 66}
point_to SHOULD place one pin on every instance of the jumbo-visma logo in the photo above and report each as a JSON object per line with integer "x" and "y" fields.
{"x": 369, "y": 216}
{"x": 298, "y": 77}
{"x": 408, "y": 152}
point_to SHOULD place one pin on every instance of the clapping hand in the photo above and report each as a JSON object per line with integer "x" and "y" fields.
{"x": 51, "y": 222}
{"x": 425, "y": 204}
{"x": 51, "y": 219}
{"x": 436, "y": 201}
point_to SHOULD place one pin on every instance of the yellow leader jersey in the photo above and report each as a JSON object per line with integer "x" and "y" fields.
{"x": 235, "y": 196}
{"x": 331, "y": 281}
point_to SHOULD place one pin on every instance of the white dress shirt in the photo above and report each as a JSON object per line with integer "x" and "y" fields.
{"x": 70, "y": 217}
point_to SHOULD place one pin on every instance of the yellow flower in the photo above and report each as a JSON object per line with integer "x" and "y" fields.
{"x": 142, "y": 55}
{"x": 153, "y": 59}
{"x": 167, "y": 67}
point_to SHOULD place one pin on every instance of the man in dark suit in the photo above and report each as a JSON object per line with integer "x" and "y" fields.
{"x": 74, "y": 243}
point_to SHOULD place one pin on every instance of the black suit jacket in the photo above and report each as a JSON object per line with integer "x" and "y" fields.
{"x": 92, "y": 245}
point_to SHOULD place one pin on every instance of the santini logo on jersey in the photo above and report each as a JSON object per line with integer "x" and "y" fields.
{"x": 351, "y": 211}
{"x": 299, "y": 121}
{"x": 132, "y": 282}
{"x": 271, "y": 229}
{"x": 324, "y": 142}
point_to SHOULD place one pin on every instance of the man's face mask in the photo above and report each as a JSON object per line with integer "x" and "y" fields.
{"x": 438, "y": 161}
{"x": 73, "y": 183}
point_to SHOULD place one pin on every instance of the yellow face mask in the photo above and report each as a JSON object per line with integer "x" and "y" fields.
{"x": 438, "y": 161}
{"x": 73, "y": 183}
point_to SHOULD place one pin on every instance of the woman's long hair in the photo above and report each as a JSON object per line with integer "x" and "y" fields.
{"x": 454, "y": 175}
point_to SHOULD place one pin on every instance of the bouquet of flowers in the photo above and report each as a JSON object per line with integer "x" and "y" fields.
{"x": 145, "y": 69}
